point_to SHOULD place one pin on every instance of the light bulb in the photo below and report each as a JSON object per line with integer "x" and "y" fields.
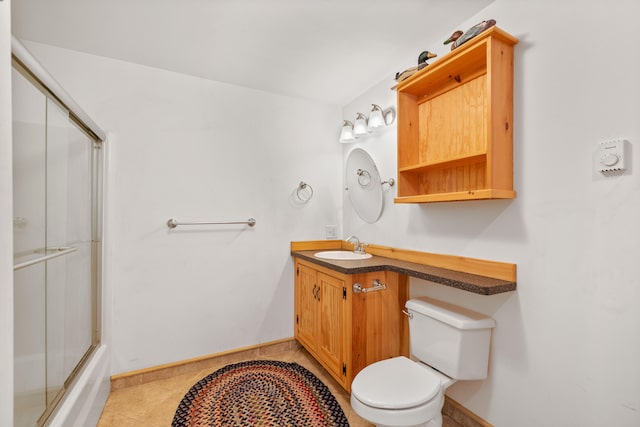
{"x": 376, "y": 119}
{"x": 346, "y": 133}
{"x": 360, "y": 125}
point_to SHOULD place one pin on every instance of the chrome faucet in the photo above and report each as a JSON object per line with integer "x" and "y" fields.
{"x": 358, "y": 247}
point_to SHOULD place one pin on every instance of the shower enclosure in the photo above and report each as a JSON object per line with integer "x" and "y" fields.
{"x": 57, "y": 243}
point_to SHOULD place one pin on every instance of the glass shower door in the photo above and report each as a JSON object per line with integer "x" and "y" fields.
{"x": 55, "y": 245}
{"x": 29, "y": 235}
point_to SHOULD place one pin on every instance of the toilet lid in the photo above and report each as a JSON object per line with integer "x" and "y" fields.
{"x": 396, "y": 383}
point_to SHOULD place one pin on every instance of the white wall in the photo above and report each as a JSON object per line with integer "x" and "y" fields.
{"x": 566, "y": 347}
{"x": 6, "y": 222}
{"x": 198, "y": 150}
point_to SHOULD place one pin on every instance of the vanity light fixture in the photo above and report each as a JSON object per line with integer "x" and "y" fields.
{"x": 380, "y": 118}
{"x": 360, "y": 126}
{"x": 364, "y": 126}
{"x": 346, "y": 133}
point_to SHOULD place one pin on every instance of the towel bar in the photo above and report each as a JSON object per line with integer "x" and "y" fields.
{"x": 173, "y": 223}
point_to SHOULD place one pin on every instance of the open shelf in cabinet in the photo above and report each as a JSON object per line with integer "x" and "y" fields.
{"x": 455, "y": 128}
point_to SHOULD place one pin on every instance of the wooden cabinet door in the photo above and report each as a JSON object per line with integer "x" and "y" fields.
{"x": 379, "y": 328}
{"x": 307, "y": 294}
{"x": 330, "y": 339}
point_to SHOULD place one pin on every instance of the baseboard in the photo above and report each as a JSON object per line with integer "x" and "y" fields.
{"x": 461, "y": 415}
{"x": 188, "y": 366}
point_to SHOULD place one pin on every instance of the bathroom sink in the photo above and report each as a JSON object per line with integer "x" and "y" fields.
{"x": 341, "y": 255}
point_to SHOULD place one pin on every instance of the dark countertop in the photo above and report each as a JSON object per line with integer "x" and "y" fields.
{"x": 456, "y": 279}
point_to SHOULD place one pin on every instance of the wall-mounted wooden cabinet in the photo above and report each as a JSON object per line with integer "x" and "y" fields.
{"x": 455, "y": 124}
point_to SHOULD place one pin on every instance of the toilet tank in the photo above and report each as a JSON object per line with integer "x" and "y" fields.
{"x": 451, "y": 339}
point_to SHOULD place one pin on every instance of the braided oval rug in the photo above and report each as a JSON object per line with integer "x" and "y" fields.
{"x": 260, "y": 393}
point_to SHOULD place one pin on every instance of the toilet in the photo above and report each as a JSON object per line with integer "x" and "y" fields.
{"x": 449, "y": 343}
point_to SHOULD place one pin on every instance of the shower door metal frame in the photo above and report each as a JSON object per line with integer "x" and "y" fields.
{"x": 25, "y": 64}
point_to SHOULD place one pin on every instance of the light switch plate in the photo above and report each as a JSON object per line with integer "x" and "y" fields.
{"x": 331, "y": 231}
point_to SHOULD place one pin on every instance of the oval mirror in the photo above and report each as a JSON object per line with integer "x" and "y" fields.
{"x": 364, "y": 185}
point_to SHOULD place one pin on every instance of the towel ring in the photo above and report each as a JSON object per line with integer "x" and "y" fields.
{"x": 364, "y": 178}
{"x": 304, "y": 192}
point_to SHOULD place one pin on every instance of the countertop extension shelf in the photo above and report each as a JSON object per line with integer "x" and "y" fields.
{"x": 465, "y": 281}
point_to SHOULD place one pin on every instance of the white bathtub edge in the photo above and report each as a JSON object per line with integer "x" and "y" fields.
{"x": 83, "y": 403}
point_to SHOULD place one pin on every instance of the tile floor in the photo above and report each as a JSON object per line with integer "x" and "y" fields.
{"x": 153, "y": 404}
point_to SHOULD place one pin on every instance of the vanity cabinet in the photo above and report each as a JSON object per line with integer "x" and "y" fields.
{"x": 455, "y": 124}
{"x": 320, "y": 320}
{"x": 346, "y": 331}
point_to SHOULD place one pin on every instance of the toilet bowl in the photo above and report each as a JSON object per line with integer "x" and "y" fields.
{"x": 399, "y": 392}
{"x": 448, "y": 343}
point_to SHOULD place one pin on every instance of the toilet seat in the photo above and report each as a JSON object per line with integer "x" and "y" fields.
{"x": 397, "y": 383}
